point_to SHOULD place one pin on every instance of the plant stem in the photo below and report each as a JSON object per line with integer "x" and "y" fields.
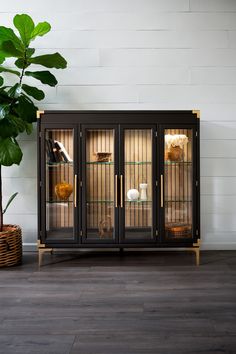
{"x": 1, "y": 213}
{"x": 24, "y": 67}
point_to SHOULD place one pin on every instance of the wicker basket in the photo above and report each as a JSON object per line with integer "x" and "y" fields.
{"x": 10, "y": 246}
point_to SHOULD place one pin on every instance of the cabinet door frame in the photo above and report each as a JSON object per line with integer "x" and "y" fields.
{"x": 83, "y": 236}
{"x": 42, "y": 182}
{"x": 162, "y": 128}
{"x": 155, "y": 216}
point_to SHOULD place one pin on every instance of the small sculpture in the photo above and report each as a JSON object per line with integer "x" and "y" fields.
{"x": 63, "y": 190}
{"x": 143, "y": 191}
{"x": 133, "y": 194}
{"x": 104, "y": 227}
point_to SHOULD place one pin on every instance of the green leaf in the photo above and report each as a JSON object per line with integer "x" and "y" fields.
{"x": 44, "y": 76}
{"x": 10, "y": 152}
{"x": 9, "y": 201}
{"x": 2, "y": 58}
{"x": 54, "y": 60}
{"x": 33, "y": 92}
{"x": 15, "y": 91}
{"x": 30, "y": 52}
{"x": 7, "y": 129}
{"x": 4, "y": 98}
{"x": 25, "y": 26}
{"x": 21, "y": 63}
{"x": 26, "y": 109}
{"x": 28, "y": 128}
{"x": 6, "y": 70}
{"x": 1, "y": 81}
{"x": 9, "y": 50}
{"x": 40, "y": 30}
{"x": 7, "y": 34}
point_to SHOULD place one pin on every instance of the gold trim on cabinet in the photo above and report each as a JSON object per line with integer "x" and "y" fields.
{"x": 41, "y": 252}
{"x": 38, "y": 114}
{"x": 197, "y": 112}
{"x": 75, "y": 191}
{"x": 162, "y": 192}
{"x": 40, "y": 245}
{"x": 121, "y": 192}
{"x": 197, "y": 244}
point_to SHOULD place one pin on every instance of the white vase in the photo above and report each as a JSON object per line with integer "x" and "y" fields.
{"x": 143, "y": 191}
{"x": 133, "y": 194}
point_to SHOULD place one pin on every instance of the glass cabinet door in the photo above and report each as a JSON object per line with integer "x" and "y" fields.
{"x": 177, "y": 184}
{"x": 99, "y": 196}
{"x": 136, "y": 185}
{"x": 60, "y": 198}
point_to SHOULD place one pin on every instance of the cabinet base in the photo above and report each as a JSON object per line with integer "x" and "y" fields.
{"x": 194, "y": 249}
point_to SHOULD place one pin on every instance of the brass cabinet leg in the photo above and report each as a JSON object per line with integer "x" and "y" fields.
{"x": 197, "y": 254}
{"x": 41, "y": 253}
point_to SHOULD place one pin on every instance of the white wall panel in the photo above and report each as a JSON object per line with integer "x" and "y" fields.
{"x": 186, "y": 57}
{"x": 218, "y": 167}
{"x": 218, "y": 130}
{"x": 218, "y": 148}
{"x": 213, "y": 5}
{"x": 134, "y": 39}
{"x": 218, "y": 185}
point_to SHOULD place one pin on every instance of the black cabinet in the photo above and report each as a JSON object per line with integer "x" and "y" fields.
{"x": 118, "y": 179}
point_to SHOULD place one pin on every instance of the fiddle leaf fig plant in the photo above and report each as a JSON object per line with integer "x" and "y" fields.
{"x": 17, "y": 100}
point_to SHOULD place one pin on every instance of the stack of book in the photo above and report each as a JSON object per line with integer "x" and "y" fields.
{"x": 56, "y": 152}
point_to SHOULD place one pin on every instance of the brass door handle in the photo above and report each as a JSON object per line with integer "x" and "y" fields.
{"x": 121, "y": 192}
{"x": 75, "y": 191}
{"x": 116, "y": 191}
{"x": 162, "y": 192}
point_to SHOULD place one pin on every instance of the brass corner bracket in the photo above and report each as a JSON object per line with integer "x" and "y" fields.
{"x": 40, "y": 245}
{"x": 197, "y": 244}
{"x": 197, "y": 112}
{"x": 38, "y": 114}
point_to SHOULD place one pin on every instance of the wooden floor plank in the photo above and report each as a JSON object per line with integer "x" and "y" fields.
{"x": 101, "y": 302}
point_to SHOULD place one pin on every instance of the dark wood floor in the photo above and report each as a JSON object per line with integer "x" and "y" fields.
{"x": 104, "y": 303}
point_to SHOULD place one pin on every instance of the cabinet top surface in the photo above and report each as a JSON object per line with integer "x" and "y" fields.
{"x": 120, "y": 116}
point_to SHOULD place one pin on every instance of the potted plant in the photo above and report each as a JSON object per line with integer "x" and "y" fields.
{"x": 18, "y": 109}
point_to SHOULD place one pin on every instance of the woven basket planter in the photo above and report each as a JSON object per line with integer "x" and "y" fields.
{"x": 10, "y": 246}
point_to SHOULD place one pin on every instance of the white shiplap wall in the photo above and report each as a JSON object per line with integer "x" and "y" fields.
{"x": 143, "y": 54}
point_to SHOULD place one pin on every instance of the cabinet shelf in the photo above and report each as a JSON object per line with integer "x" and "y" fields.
{"x": 59, "y": 201}
{"x": 55, "y": 164}
{"x": 178, "y": 201}
{"x": 177, "y": 163}
{"x": 112, "y": 201}
{"x": 112, "y": 163}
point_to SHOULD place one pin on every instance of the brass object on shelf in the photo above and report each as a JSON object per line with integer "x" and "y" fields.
{"x": 179, "y": 230}
{"x": 63, "y": 190}
{"x": 103, "y": 156}
{"x": 175, "y": 154}
{"x": 104, "y": 227}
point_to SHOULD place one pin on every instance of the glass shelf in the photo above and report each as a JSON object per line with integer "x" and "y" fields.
{"x": 59, "y": 201}
{"x": 99, "y": 201}
{"x": 62, "y": 163}
{"x": 178, "y": 201}
{"x": 138, "y": 201}
{"x": 112, "y": 163}
{"x": 178, "y": 162}
{"x": 138, "y": 162}
{"x": 112, "y": 201}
